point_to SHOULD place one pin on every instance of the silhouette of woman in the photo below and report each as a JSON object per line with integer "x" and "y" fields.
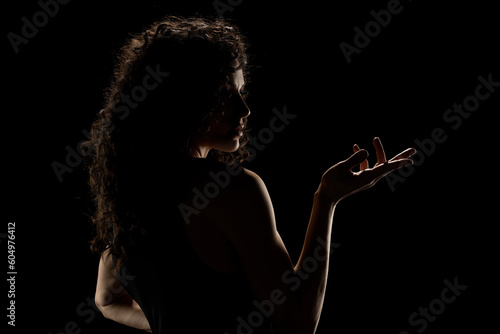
{"x": 174, "y": 124}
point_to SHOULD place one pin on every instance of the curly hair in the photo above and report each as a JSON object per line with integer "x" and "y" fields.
{"x": 143, "y": 122}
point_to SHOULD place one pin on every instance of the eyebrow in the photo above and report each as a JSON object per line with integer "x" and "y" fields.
{"x": 240, "y": 66}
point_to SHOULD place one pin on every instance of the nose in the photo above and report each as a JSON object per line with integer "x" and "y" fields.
{"x": 243, "y": 110}
{"x": 246, "y": 110}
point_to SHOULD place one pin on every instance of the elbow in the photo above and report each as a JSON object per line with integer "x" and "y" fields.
{"x": 105, "y": 311}
{"x": 101, "y": 303}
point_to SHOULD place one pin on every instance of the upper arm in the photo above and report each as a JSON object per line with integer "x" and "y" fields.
{"x": 108, "y": 288}
{"x": 247, "y": 219}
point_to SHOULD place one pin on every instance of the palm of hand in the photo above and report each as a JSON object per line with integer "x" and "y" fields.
{"x": 340, "y": 181}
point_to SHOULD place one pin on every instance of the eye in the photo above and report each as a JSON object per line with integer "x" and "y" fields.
{"x": 244, "y": 93}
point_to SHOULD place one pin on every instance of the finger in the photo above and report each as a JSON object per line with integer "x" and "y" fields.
{"x": 382, "y": 170}
{"x": 364, "y": 163}
{"x": 379, "y": 149}
{"x": 405, "y": 154}
{"x": 355, "y": 159}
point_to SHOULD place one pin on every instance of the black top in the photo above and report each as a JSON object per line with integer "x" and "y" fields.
{"x": 175, "y": 289}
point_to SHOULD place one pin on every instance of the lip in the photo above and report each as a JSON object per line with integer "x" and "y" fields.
{"x": 238, "y": 131}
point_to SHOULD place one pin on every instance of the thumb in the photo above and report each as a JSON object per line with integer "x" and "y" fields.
{"x": 390, "y": 166}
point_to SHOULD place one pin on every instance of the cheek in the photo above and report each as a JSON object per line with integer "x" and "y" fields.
{"x": 220, "y": 125}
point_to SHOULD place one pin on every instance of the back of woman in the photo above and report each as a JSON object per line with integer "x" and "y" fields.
{"x": 175, "y": 288}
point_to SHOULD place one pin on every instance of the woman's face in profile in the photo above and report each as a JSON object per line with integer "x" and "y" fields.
{"x": 228, "y": 124}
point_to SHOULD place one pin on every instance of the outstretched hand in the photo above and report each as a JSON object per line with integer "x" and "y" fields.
{"x": 340, "y": 181}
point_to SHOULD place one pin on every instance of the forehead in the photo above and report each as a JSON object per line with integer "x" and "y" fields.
{"x": 237, "y": 78}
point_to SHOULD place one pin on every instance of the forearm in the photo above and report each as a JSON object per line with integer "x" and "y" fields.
{"x": 312, "y": 266}
{"x": 126, "y": 312}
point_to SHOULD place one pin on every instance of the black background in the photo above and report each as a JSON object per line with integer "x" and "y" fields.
{"x": 397, "y": 246}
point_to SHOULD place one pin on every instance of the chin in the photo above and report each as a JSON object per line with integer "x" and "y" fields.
{"x": 229, "y": 146}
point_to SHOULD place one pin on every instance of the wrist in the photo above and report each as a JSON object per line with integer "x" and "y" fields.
{"x": 325, "y": 197}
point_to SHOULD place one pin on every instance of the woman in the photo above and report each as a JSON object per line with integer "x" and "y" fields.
{"x": 175, "y": 119}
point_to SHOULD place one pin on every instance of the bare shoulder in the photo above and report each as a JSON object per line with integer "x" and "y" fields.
{"x": 250, "y": 179}
{"x": 244, "y": 203}
{"x": 246, "y": 185}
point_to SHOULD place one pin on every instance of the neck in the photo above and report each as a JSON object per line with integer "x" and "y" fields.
{"x": 200, "y": 151}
